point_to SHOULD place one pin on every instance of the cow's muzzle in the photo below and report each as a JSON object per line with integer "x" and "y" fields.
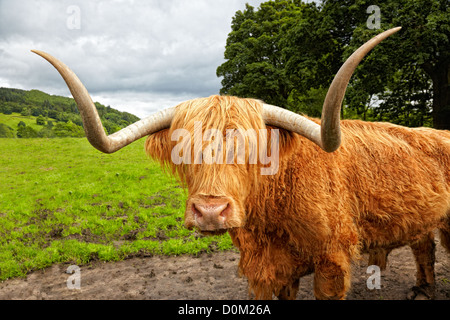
{"x": 211, "y": 214}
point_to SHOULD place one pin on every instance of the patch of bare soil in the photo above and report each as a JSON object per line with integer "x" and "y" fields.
{"x": 208, "y": 276}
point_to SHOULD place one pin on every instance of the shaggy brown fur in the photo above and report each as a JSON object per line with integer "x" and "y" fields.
{"x": 386, "y": 186}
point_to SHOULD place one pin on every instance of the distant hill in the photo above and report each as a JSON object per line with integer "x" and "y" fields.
{"x": 42, "y": 115}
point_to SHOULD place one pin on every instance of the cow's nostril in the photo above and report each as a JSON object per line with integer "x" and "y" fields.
{"x": 225, "y": 211}
{"x": 196, "y": 212}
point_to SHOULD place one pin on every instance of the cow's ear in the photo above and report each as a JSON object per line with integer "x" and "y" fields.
{"x": 158, "y": 146}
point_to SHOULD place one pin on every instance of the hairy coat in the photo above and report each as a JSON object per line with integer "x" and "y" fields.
{"x": 385, "y": 187}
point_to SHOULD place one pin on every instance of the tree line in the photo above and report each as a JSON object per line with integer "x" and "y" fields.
{"x": 287, "y": 53}
{"x": 55, "y": 116}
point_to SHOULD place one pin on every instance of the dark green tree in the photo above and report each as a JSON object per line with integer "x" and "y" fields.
{"x": 26, "y": 132}
{"x": 6, "y": 109}
{"x": 410, "y": 71}
{"x": 110, "y": 126}
{"x": 26, "y": 112}
{"x": 46, "y": 132}
{"x": 5, "y": 131}
{"x": 40, "y": 120}
{"x": 286, "y": 50}
{"x": 255, "y": 65}
{"x": 68, "y": 129}
{"x": 36, "y": 111}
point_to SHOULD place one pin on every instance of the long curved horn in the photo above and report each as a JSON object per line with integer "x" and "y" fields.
{"x": 328, "y": 135}
{"x": 91, "y": 121}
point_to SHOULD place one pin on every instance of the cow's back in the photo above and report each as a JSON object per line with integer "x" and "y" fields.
{"x": 398, "y": 178}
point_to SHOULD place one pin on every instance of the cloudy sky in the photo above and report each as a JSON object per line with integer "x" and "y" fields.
{"x": 134, "y": 55}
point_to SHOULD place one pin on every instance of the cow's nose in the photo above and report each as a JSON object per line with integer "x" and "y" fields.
{"x": 211, "y": 216}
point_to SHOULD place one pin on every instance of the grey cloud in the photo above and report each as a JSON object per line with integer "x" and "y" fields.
{"x": 163, "y": 49}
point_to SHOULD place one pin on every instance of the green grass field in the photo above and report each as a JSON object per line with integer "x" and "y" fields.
{"x": 61, "y": 200}
{"x": 12, "y": 120}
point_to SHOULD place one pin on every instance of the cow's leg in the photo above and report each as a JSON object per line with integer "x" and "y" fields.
{"x": 289, "y": 292}
{"x": 424, "y": 250}
{"x": 445, "y": 233}
{"x": 332, "y": 277}
{"x": 379, "y": 257}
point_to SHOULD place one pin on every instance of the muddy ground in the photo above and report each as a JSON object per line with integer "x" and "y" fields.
{"x": 207, "y": 276}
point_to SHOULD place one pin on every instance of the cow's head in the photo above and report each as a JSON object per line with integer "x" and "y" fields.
{"x": 187, "y": 139}
{"x": 221, "y": 149}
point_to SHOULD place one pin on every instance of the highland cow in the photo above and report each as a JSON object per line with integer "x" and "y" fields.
{"x": 373, "y": 188}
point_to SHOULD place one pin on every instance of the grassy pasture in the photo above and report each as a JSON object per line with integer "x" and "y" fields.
{"x": 63, "y": 201}
{"x": 13, "y": 120}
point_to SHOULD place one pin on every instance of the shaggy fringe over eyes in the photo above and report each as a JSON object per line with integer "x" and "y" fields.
{"x": 215, "y": 112}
